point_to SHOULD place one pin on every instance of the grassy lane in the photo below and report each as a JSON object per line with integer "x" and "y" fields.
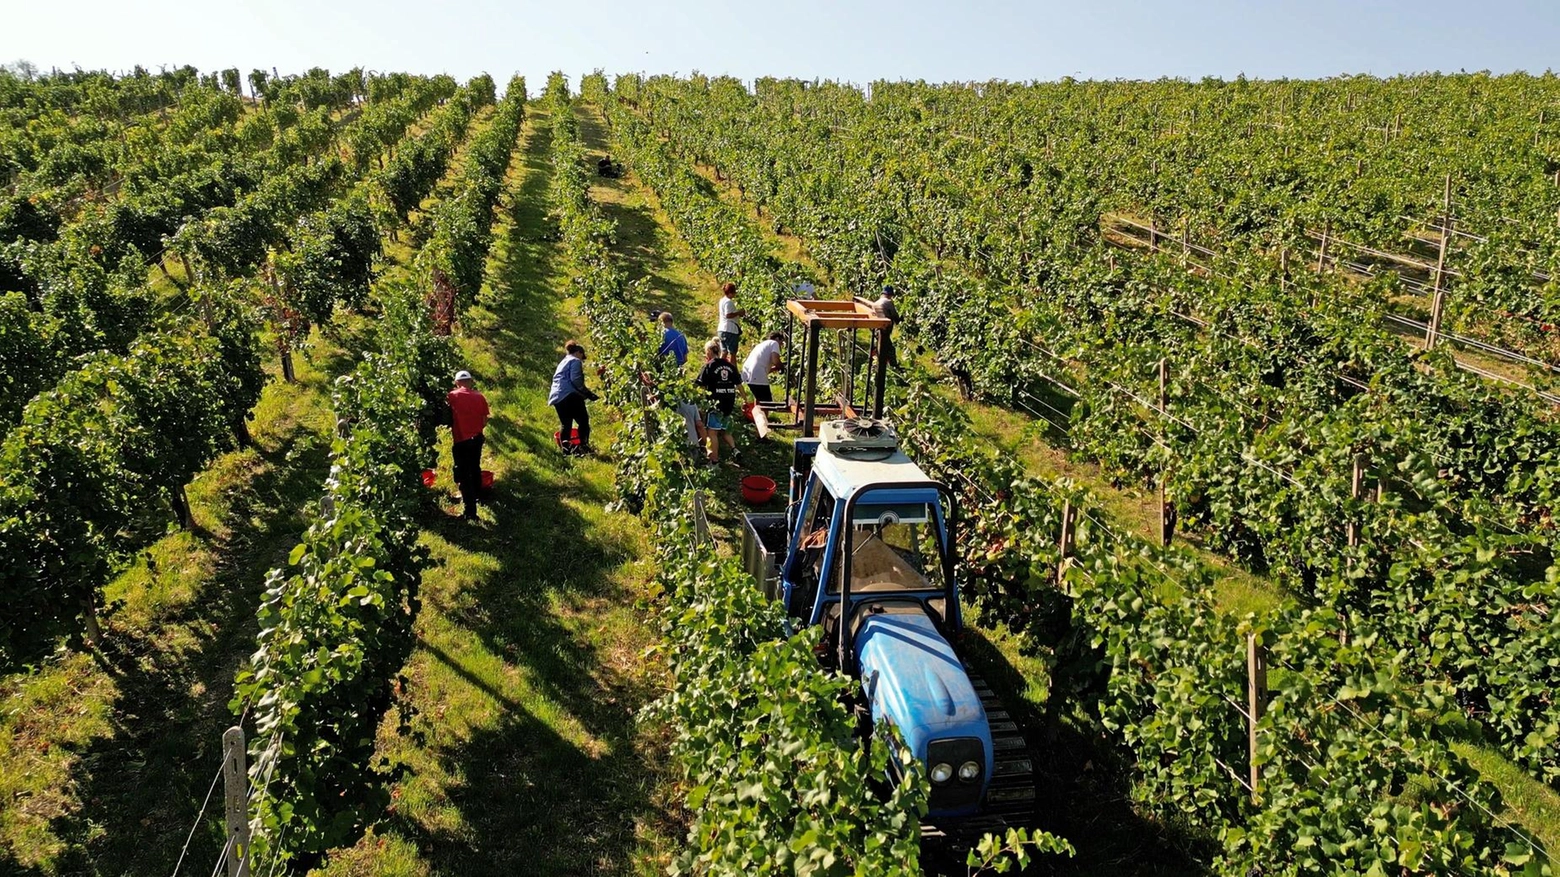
{"x": 649, "y": 246}
{"x": 105, "y": 759}
{"x": 525, "y": 756}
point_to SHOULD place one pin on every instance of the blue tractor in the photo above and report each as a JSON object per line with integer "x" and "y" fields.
{"x": 866, "y": 549}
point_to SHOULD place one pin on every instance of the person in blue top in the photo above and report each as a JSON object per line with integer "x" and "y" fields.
{"x": 568, "y": 397}
{"x": 675, "y": 344}
{"x": 673, "y": 341}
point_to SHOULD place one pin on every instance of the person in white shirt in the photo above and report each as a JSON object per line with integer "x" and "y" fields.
{"x": 762, "y": 361}
{"x": 730, "y": 330}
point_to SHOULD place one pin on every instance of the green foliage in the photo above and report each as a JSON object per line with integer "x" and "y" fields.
{"x": 391, "y": 112}
{"x": 336, "y": 622}
{"x": 986, "y": 204}
{"x": 330, "y": 259}
{"x": 999, "y": 854}
{"x": 418, "y": 164}
{"x": 93, "y": 456}
{"x": 463, "y": 221}
{"x": 1357, "y": 776}
{"x": 232, "y": 241}
{"x": 28, "y": 360}
{"x": 134, "y": 414}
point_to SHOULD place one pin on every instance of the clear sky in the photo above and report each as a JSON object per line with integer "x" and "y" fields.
{"x": 856, "y": 41}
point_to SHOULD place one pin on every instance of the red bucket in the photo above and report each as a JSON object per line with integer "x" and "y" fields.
{"x": 487, "y": 479}
{"x": 574, "y": 437}
{"x": 758, "y": 489}
{"x": 429, "y": 477}
{"x": 747, "y": 410}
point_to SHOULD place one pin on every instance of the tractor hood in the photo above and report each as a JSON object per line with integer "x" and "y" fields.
{"x": 915, "y": 681}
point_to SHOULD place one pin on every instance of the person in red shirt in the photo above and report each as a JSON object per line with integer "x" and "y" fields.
{"x": 468, "y": 417}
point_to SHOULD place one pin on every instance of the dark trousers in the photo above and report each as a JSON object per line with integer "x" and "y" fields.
{"x": 468, "y": 471}
{"x": 572, "y": 411}
{"x": 761, "y": 392}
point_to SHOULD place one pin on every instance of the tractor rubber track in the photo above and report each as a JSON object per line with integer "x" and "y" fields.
{"x": 1011, "y": 797}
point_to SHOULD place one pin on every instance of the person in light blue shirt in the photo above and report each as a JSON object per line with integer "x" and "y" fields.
{"x": 568, "y": 397}
{"x": 673, "y": 341}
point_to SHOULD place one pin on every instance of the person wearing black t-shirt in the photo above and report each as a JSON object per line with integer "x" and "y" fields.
{"x": 721, "y": 380}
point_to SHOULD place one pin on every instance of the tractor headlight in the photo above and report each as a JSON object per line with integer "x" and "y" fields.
{"x": 942, "y": 772}
{"x": 969, "y": 771}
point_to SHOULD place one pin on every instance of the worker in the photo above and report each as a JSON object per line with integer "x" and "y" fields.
{"x": 673, "y": 341}
{"x": 730, "y": 330}
{"x": 675, "y": 344}
{"x": 568, "y": 397}
{"x": 468, "y": 418}
{"x": 720, "y": 380}
{"x": 762, "y": 361}
{"x": 884, "y": 307}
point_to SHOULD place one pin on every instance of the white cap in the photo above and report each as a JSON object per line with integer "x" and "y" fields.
{"x": 463, "y": 375}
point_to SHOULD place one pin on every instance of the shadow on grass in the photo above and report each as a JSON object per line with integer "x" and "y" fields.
{"x": 531, "y": 800}
{"x": 12, "y": 868}
{"x": 142, "y": 786}
{"x": 640, "y": 246}
{"x": 529, "y": 328}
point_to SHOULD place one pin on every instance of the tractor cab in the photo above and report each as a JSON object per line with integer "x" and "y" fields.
{"x": 869, "y": 527}
{"x": 866, "y": 550}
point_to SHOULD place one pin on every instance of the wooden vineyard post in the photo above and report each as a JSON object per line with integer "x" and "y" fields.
{"x": 1186, "y": 241}
{"x": 284, "y": 350}
{"x": 1356, "y": 483}
{"x": 1164, "y": 386}
{"x": 1153, "y": 234}
{"x": 1438, "y": 303}
{"x": 1321, "y": 253}
{"x": 283, "y": 325}
{"x": 92, "y": 630}
{"x": 1166, "y": 513}
{"x": 235, "y": 793}
{"x": 1283, "y": 267}
{"x": 701, "y": 521}
{"x": 1256, "y": 696}
{"x": 809, "y": 400}
{"x": 1065, "y": 543}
